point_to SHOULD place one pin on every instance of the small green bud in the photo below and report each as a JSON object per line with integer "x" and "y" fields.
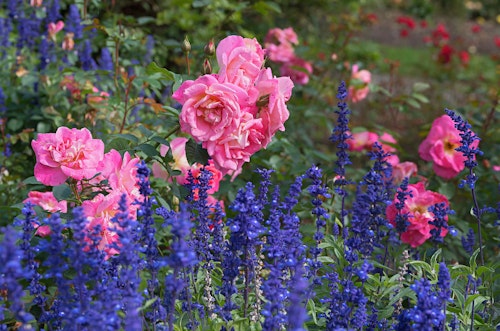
{"x": 186, "y": 45}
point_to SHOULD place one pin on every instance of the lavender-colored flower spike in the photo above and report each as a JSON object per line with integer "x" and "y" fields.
{"x": 11, "y": 271}
{"x": 466, "y": 147}
{"x": 469, "y": 151}
{"x": 340, "y": 135}
{"x": 73, "y": 23}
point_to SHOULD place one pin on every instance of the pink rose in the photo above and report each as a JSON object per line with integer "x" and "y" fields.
{"x": 273, "y": 95}
{"x": 402, "y": 170}
{"x": 232, "y": 151}
{"x": 66, "y": 153}
{"x": 387, "y": 141}
{"x": 99, "y": 212}
{"x": 298, "y": 70}
{"x": 439, "y": 147}
{"x": 358, "y": 89}
{"x": 181, "y": 163}
{"x": 417, "y": 205}
{"x": 211, "y": 109}
{"x": 48, "y": 202}
{"x": 121, "y": 173}
{"x": 362, "y": 141}
{"x": 54, "y": 28}
{"x": 240, "y": 60}
{"x": 216, "y": 175}
{"x": 279, "y": 44}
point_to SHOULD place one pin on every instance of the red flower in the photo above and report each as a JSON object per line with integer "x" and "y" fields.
{"x": 423, "y": 24}
{"x": 408, "y": 21}
{"x": 475, "y": 28}
{"x": 464, "y": 57}
{"x": 497, "y": 41}
{"x": 445, "y": 54}
{"x": 404, "y": 33}
{"x": 371, "y": 18}
{"x": 440, "y": 34}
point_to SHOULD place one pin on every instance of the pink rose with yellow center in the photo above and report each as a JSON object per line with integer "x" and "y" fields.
{"x": 417, "y": 206}
{"x": 440, "y": 147}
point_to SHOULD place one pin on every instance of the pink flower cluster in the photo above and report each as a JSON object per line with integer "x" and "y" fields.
{"x": 48, "y": 202}
{"x": 416, "y": 206}
{"x": 180, "y": 162}
{"x": 358, "y": 85}
{"x": 74, "y": 154}
{"x": 279, "y": 44}
{"x": 440, "y": 147}
{"x": 236, "y": 112}
{"x": 363, "y": 141}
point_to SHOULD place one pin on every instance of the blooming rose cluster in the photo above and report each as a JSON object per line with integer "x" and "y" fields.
{"x": 440, "y": 147}
{"x": 363, "y": 141}
{"x": 417, "y": 207}
{"x": 440, "y": 38}
{"x": 236, "y": 112}
{"x": 358, "y": 85}
{"x": 73, "y": 154}
{"x": 279, "y": 44}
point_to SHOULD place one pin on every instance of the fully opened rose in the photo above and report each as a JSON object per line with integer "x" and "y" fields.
{"x": 68, "y": 153}
{"x": 440, "y": 148}
{"x": 417, "y": 207}
{"x": 210, "y": 109}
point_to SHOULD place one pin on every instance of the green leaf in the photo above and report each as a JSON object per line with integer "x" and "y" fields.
{"x": 31, "y": 181}
{"x": 154, "y": 68}
{"x": 119, "y": 144}
{"x": 195, "y": 153}
{"x": 325, "y": 259}
{"x": 419, "y": 87}
{"x": 148, "y": 133}
{"x": 311, "y": 309}
{"x": 62, "y": 192}
{"x": 414, "y": 103}
{"x": 127, "y": 136}
{"x": 147, "y": 149}
{"x": 160, "y": 140}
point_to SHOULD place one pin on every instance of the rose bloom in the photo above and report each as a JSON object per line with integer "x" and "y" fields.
{"x": 358, "y": 89}
{"x": 401, "y": 170}
{"x": 445, "y": 54}
{"x": 181, "y": 163}
{"x": 298, "y": 70}
{"x": 417, "y": 205}
{"x": 121, "y": 173}
{"x": 240, "y": 60}
{"x": 48, "y": 202}
{"x": 273, "y": 95}
{"x": 68, "y": 153}
{"x": 464, "y": 58}
{"x": 99, "y": 212}
{"x": 362, "y": 141}
{"x": 232, "y": 151}
{"x": 54, "y": 28}
{"x": 210, "y": 109}
{"x": 439, "y": 147}
{"x": 279, "y": 44}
